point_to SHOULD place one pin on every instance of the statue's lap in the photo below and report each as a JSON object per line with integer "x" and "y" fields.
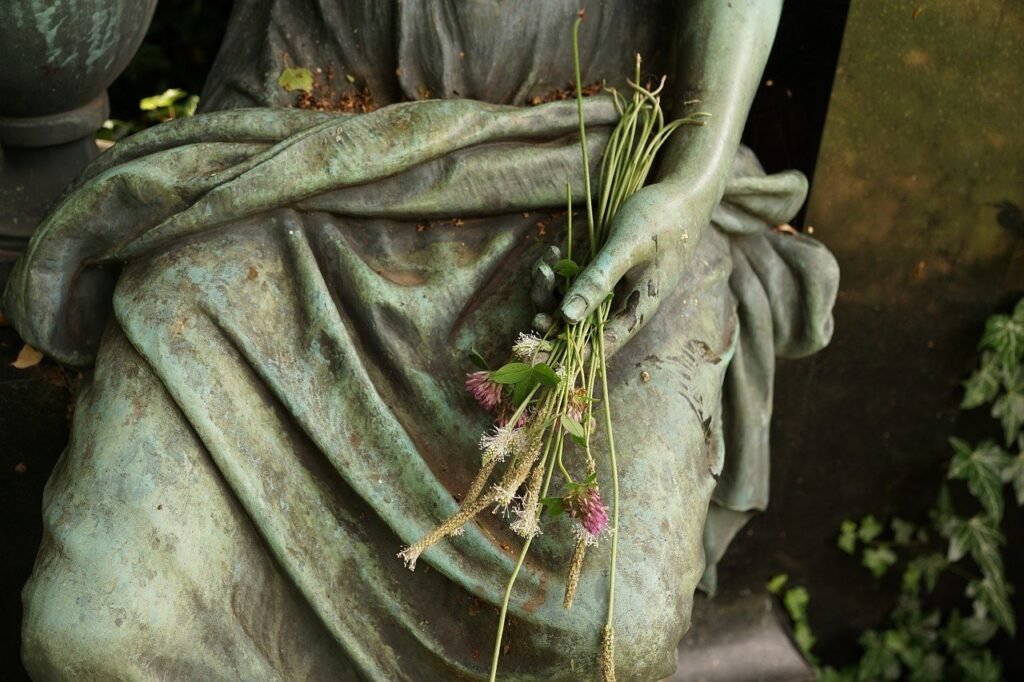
{"x": 203, "y": 523}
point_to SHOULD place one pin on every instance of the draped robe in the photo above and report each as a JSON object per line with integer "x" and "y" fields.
{"x": 278, "y": 305}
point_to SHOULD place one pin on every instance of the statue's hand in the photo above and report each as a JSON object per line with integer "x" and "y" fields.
{"x": 651, "y": 241}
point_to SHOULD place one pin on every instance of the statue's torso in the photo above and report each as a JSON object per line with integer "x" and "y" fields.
{"x": 503, "y": 52}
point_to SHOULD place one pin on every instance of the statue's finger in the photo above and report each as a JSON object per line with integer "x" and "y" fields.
{"x": 639, "y": 304}
{"x": 599, "y": 278}
{"x": 542, "y": 291}
{"x": 543, "y": 322}
{"x": 549, "y": 256}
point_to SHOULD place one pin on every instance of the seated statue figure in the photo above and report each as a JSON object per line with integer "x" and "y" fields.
{"x": 278, "y": 303}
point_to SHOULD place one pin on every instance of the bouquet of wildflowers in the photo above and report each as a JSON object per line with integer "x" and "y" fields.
{"x": 546, "y": 395}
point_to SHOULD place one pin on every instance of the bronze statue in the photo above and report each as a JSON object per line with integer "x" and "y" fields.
{"x": 277, "y": 402}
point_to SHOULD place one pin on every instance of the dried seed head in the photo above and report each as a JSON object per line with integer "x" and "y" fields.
{"x": 572, "y": 581}
{"x": 608, "y": 654}
{"x": 526, "y": 523}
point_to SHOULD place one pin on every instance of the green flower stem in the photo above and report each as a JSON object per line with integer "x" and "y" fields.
{"x": 628, "y": 159}
{"x": 583, "y": 133}
{"x": 599, "y": 342}
{"x": 496, "y": 656}
{"x": 503, "y": 614}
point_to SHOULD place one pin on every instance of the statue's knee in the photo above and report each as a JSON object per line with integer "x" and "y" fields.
{"x": 58, "y": 641}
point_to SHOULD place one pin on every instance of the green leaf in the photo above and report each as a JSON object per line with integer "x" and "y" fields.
{"x": 479, "y": 361}
{"x": 522, "y": 391}
{"x": 573, "y": 427}
{"x": 961, "y": 633}
{"x": 161, "y": 101}
{"x": 804, "y": 639}
{"x": 512, "y": 373}
{"x": 1009, "y": 410}
{"x": 190, "y": 106}
{"x": 992, "y": 597}
{"x": 981, "y": 538}
{"x": 543, "y": 374}
{"x": 1013, "y": 473}
{"x": 878, "y": 662}
{"x": 796, "y": 601}
{"x": 986, "y": 547}
{"x": 902, "y": 531}
{"x": 848, "y": 537}
{"x": 566, "y": 267}
{"x": 878, "y": 560}
{"x": 870, "y": 528}
{"x": 980, "y": 667}
{"x": 982, "y": 386}
{"x": 1005, "y": 336}
{"x": 296, "y": 79}
{"x": 929, "y": 668}
{"x": 942, "y": 514}
{"x": 895, "y": 640}
{"x": 981, "y": 467}
{"x": 927, "y": 567}
{"x": 830, "y": 674}
{"x": 777, "y": 582}
{"x": 553, "y": 505}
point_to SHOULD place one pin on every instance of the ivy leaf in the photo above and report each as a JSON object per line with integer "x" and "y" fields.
{"x": 1009, "y": 407}
{"x": 830, "y": 674}
{"x": 942, "y": 513}
{"x": 962, "y": 634}
{"x": 847, "y": 537}
{"x": 982, "y": 386}
{"x": 796, "y": 601}
{"x": 979, "y": 537}
{"x": 929, "y": 668}
{"x": 804, "y": 639}
{"x": 296, "y": 79}
{"x": 878, "y": 560}
{"x": 512, "y": 373}
{"x": 980, "y": 667}
{"x": 870, "y": 528}
{"x": 993, "y": 597}
{"x": 777, "y": 582}
{"x": 928, "y": 567}
{"x": 981, "y": 467}
{"x": 1013, "y": 473}
{"x": 902, "y": 531}
{"x": 1004, "y": 335}
{"x": 566, "y": 267}
{"x": 878, "y": 662}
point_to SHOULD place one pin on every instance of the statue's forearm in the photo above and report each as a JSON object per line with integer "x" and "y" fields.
{"x": 719, "y": 53}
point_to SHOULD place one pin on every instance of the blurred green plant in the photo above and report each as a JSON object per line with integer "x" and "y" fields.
{"x": 925, "y": 639}
{"x": 170, "y": 104}
{"x": 796, "y": 599}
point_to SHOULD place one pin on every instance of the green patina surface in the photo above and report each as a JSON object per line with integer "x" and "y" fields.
{"x": 277, "y": 402}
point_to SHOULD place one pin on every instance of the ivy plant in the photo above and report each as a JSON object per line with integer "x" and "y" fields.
{"x": 924, "y": 638}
